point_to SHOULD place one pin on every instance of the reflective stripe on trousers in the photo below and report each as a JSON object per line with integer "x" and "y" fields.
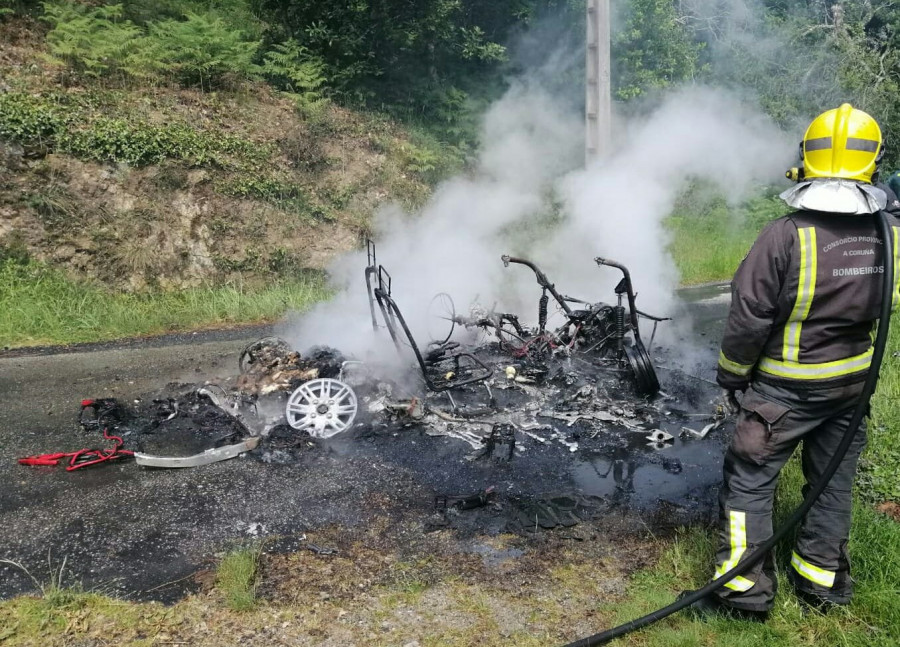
{"x": 737, "y": 534}
{"x": 811, "y": 572}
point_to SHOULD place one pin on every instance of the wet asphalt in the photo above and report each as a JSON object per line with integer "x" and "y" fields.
{"x": 140, "y": 534}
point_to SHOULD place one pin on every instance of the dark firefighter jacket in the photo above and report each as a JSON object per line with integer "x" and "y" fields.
{"x": 805, "y": 302}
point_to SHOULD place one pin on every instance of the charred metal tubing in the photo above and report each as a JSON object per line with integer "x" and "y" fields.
{"x": 651, "y": 317}
{"x": 569, "y": 299}
{"x": 371, "y": 269}
{"x": 370, "y": 252}
{"x": 390, "y": 309}
{"x": 632, "y": 310}
{"x": 759, "y": 554}
{"x": 389, "y": 323}
{"x": 514, "y": 320}
{"x": 541, "y": 279}
{"x": 384, "y": 284}
{"x": 384, "y": 279}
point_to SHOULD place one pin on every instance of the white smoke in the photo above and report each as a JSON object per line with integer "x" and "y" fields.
{"x": 532, "y": 148}
{"x": 530, "y": 195}
{"x": 528, "y": 141}
{"x": 616, "y": 207}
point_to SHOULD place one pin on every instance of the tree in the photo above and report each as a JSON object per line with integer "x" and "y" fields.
{"x": 397, "y": 51}
{"x": 652, "y": 50}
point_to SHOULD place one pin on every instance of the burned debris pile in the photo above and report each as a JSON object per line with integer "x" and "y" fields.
{"x": 270, "y": 365}
{"x": 581, "y": 396}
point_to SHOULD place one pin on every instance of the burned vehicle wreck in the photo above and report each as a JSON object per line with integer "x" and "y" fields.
{"x": 504, "y": 420}
{"x": 605, "y": 336}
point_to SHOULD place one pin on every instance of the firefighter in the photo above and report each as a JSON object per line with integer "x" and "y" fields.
{"x": 798, "y": 344}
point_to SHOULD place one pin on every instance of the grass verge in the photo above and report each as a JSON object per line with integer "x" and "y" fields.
{"x": 709, "y": 236}
{"x": 881, "y": 461}
{"x": 236, "y": 578}
{"x": 39, "y": 305}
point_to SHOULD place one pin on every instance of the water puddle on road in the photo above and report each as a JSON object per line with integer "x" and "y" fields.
{"x": 641, "y": 478}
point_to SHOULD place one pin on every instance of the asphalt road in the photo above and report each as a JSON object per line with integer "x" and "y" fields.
{"x": 129, "y": 531}
{"x": 90, "y": 517}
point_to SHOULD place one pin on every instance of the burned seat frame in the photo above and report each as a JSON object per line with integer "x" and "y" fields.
{"x": 601, "y": 327}
{"x": 443, "y": 365}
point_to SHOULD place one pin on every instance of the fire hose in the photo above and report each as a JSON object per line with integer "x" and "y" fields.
{"x": 759, "y": 554}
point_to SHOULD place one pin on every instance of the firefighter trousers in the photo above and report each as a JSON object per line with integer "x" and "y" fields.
{"x": 772, "y": 422}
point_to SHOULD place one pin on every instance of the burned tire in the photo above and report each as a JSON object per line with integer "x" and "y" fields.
{"x": 267, "y": 345}
{"x": 642, "y": 368}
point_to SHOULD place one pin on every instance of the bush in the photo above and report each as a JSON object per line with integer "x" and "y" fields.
{"x": 290, "y": 67}
{"x": 117, "y": 140}
{"x": 303, "y": 149}
{"x": 27, "y": 119}
{"x": 13, "y": 250}
{"x": 279, "y": 193}
{"x": 139, "y": 144}
{"x": 32, "y": 120}
{"x": 54, "y": 205}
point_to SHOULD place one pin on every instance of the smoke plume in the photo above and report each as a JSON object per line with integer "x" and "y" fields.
{"x": 529, "y": 194}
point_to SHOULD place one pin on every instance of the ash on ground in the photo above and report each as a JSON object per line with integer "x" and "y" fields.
{"x": 536, "y": 446}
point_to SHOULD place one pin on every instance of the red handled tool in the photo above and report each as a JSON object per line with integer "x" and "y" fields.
{"x": 85, "y": 457}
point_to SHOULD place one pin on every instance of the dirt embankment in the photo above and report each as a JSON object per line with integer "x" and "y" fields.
{"x": 235, "y": 182}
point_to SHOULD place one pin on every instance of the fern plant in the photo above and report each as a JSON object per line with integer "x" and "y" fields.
{"x": 200, "y": 50}
{"x": 290, "y": 67}
{"x": 89, "y": 39}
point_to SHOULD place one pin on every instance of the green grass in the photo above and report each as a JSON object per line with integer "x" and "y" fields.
{"x": 709, "y": 237}
{"x": 236, "y": 578}
{"x": 706, "y": 251}
{"x": 880, "y": 473}
{"x": 39, "y": 305}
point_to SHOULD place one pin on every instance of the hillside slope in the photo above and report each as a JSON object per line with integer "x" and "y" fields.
{"x": 163, "y": 187}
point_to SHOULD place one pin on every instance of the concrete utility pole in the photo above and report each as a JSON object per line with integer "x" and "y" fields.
{"x": 598, "y": 105}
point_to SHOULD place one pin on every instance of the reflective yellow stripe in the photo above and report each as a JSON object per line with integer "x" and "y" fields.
{"x": 734, "y": 367}
{"x": 805, "y": 291}
{"x": 813, "y": 573}
{"x": 739, "y": 584}
{"x": 896, "y": 299}
{"x": 823, "y": 371}
{"x": 737, "y": 535}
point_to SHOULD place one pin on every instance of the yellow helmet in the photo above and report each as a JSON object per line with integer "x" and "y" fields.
{"x": 842, "y": 143}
